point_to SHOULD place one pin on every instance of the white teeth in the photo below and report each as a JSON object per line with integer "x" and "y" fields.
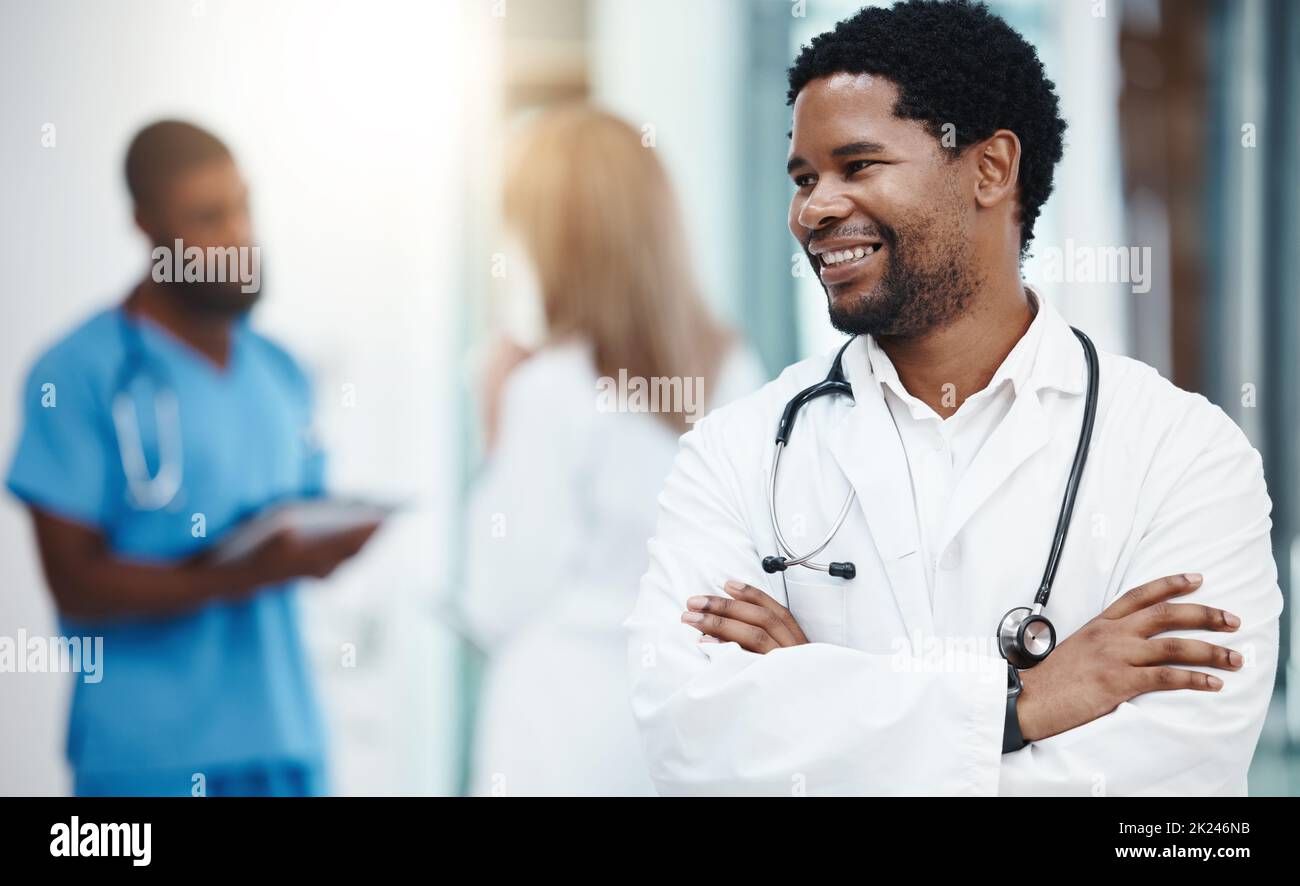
{"x": 829, "y": 259}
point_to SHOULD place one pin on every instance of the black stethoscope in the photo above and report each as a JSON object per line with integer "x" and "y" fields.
{"x": 1025, "y": 636}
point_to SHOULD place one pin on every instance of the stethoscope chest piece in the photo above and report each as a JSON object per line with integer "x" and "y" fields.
{"x": 1025, "y": 637}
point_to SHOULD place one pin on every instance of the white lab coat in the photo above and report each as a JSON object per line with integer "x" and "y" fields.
{"x": 558, "y": 524}
{"x": 892, "y": 696}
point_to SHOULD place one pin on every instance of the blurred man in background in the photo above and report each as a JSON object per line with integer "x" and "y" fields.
{"x": 149, "y": 431}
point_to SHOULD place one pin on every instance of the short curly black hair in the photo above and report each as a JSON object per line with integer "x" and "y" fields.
{"x": 954, "y": 62}
{"x": 162, "y": 151}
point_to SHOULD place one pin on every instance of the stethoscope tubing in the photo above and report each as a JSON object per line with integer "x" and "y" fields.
{"x": 790, "y": 558}
{"x": 1076, "y": 475}
{"x": 149, "y": 493}
{"x": 836, "y": 383}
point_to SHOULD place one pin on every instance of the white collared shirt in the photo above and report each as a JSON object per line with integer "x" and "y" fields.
{"x": 939, "y": 450}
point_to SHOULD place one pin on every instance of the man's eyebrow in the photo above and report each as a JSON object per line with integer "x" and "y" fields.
{"x": 850, "y": 150}
{"x": 855, "y": 148}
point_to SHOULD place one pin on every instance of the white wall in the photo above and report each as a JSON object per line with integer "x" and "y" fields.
{"x": 1081, "y": 53}
{"x": 344, "y": 117}
{"x": 675, "y": 65}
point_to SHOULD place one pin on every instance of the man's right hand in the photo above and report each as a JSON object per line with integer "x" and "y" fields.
{"x": 288, "y": 555}
{"x": 1118, "y": 655}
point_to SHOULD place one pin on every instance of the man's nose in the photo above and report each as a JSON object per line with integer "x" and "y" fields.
{"x": 824, "y": 206}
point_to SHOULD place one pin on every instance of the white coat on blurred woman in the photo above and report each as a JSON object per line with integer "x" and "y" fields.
{"x": 567, "y": 500}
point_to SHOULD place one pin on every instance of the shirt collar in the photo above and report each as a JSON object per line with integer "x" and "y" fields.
{"x": 1047, "y": 356}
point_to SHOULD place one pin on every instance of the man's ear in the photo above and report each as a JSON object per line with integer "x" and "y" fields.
{"x": 997, "y": 168}
{"x": 147, "y": 222}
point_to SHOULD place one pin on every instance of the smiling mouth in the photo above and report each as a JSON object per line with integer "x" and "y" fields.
{"x": 839, "y": 265}
{"x": 840, "y": 256}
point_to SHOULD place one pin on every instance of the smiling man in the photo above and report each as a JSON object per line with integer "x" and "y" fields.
{"x": 938, "y": 462}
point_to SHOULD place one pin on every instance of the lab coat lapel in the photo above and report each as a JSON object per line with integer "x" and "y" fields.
{"x": 1058, "y": 365}
{"x": 1020, "y": 434}
{"x": 866, "y": 445}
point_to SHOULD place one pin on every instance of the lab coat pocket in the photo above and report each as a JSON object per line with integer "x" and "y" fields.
{"x": 820, "y": 609}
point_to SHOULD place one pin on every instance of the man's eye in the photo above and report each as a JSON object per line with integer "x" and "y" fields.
{"x": 804, "y": 181}
{"x": 859, "y": 165}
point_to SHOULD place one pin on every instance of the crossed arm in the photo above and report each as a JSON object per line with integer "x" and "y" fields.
{"x": 1104, "y": 713}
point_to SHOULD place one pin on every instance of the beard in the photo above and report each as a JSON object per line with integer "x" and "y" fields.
{"x": 928, "y": 282}
{"x": 225, "y": 298}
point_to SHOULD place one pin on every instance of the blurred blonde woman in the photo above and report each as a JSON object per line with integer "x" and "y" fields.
{"x": 560, "y": 517}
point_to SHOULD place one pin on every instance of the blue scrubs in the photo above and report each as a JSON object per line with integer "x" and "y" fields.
{"x": 223, "y": 692}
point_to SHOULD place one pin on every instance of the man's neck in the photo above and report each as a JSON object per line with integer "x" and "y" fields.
{"x": 965, "y": 353}
{"x": 208, "y": 332}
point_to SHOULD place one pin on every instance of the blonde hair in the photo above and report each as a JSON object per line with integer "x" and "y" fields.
{"x": 597, "y": 215}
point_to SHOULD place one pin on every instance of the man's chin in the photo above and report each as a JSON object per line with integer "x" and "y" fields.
{"x": 861, "y": 312}
{"x": 217, "y": 298}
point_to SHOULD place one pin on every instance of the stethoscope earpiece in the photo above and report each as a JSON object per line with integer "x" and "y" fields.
{"x": 842, "y": 570}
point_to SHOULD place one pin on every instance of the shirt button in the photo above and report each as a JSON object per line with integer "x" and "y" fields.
{"x": 951, "y": 558}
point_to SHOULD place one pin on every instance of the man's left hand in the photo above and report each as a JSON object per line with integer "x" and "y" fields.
{"x": 748, "y": 617}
